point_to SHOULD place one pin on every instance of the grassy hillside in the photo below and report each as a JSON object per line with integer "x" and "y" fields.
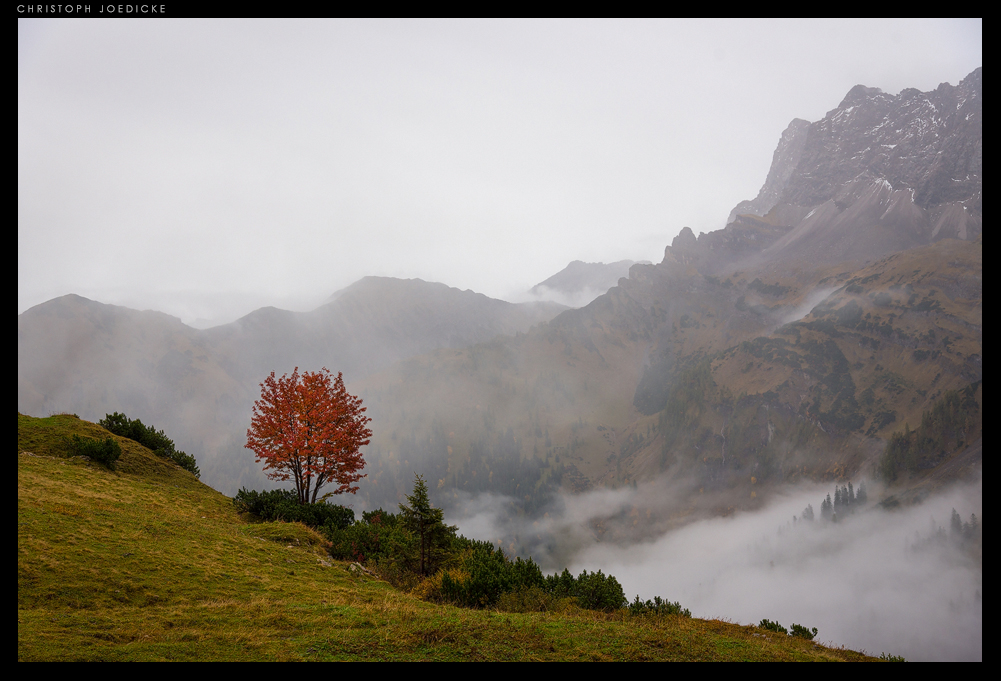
{"x": 147, "y": 563}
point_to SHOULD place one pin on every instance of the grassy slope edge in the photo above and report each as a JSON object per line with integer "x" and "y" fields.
{"x": 147, "y": 563}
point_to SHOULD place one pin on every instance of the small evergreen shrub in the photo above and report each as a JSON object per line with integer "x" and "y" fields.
{"x": 283, "y": 504}
{"x": 802, "y": 632}
{"x": 772, "y": 626}
{"x": 594, "y": 591}
{"x": 490, "y": 574}
{"x": 105, "y": 452}
{"x": 430, "y": 588}
{"x": 657, "y": 606}
{"x": 377, "y": 538}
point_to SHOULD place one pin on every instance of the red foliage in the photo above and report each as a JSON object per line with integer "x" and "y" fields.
{"x": 308, "y": 428}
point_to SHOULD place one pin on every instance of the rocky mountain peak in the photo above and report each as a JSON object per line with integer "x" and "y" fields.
{"x": 685, "y": 239}
{"x": 878, "y": 173}
{"x": 581, "y": 282}
{"x": 784, "y": 161}
{"x": 928, "y": 142}
{"x": 859, "y": 95}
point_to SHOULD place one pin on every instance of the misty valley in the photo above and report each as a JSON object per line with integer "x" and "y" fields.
{"x": 779, "y": 424}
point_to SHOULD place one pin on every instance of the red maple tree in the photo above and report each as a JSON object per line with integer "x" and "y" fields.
{"x": 308, "y": 428}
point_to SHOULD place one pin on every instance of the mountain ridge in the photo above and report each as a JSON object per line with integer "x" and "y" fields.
{"x": 87, "y": 357}
{"x": 789, "y": 343}
{"x": 754, "y": 319}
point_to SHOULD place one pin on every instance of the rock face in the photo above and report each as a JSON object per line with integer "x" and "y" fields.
{"x": 879, "y": 173}
{"x": 930, "y": 143}
{"x": 784, "y": 162}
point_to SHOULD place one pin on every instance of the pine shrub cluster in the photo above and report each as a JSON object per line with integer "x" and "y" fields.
{"x": 803, "y": 632}
{"x": 283, "y": 504}
{"x": 104, "y": 451}
{"x": 772, "y": 626}
{"x": 150, "y": 438}
{"x": 798, "y": 630}
{"x": 488, "y": 574}
{"x": 593, "y": 591}
{"x": 415, "y": 550}
{"x": 657, "y": 606}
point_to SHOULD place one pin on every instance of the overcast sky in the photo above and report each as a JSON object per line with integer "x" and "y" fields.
{"x": 206, "y": 168}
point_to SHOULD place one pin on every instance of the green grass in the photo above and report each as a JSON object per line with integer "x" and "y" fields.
{"x": 147, "y": 563}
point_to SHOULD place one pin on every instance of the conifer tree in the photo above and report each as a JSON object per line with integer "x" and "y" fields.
{"x": 956, "y": 525}
{"x": 428, "y": 525}
{"x": 970, "y": 529}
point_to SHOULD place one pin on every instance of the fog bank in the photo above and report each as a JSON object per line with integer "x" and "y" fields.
{"x": 880, "y": 581}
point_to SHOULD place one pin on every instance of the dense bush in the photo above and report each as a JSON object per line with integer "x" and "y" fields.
{"x": 802, "y": 632}
{"x": 283, "y": 504}
{"x": 105, "y": 452}
{"x": 798, "y": 630}
{"x": 657, "y": 606}
{"x": 772, "y": 626}
{"x": 470, "y": 573}
{"x": 150, "y": 438}
{"x": 378, "y": 537}
{"x": 458, "y": 570}
{"x": 594, "y": 591}
{"x": 489, "y": 575}
{"x": 484, "y": 577}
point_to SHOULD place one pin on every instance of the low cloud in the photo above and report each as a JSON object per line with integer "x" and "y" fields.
{"x": 877, "y": 581}
{"x": 803, "y": 309}
{"x": 579, "y": 298}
